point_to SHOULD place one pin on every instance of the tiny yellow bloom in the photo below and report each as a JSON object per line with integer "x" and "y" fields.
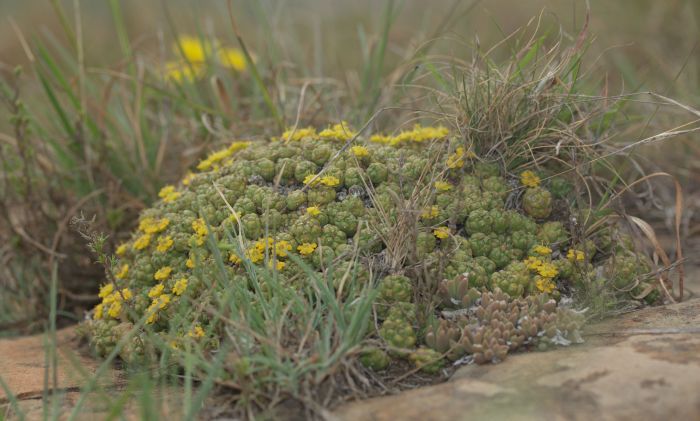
{"x": 187, "y": 179}
{"x": 279, "y": 265}
{"x": 164, "y": 243}
{"x": 126, "y": 294}
{"x": 255, "y": 255}
{"x": 180, "y": 286}
{"x": 232, "y": 58}
{"x": 282, "y": 247}
{"x": 98, "y": 312}
{"x": 529, "y": 178}
{"x": 123, "y": 272}
{"x": 547, "y": 270}
{"x": 330, "y": 180}
{"x": 200, "y": 227}
{"x": 442, "y": 186}
{"x": 193, "y": 49}
{"x": 190, "y": 263}
{"x": 542, "y": 250}
{"x": 121, "y": 249}
{"x": 441, "y": 232}
{"x": 168, "y": 194}
{"x": 233, "y": 258}
{"x": 310, "y": 179}
{"x": 430, "y": 213}
{"x": 156, "y": 291}
{"x": 575, "y": 255}
{"x": 115, "y": 309}
{"x": 163, "y": 273}
{"x": 142, "y": 242}
{"x": 106, "y": 290}
{"x": 456, "y": 160}
{"x": 380, "y": 138}
{"x": 298, "y": 134}
{"x": 179, "y": 72}
{"x": 359, "y": 151}
{"x": 545, "y": 285}
{"x": 306, "y": 248}
{"x": 313, "y": 210}
{"x": 533, "y": 263}
{"x": 196, "y": 332}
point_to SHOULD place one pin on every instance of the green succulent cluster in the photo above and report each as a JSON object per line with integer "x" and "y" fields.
{"x": 329, "y": 203}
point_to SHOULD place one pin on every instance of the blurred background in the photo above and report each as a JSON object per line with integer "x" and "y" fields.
{"x": 92, "y": 127}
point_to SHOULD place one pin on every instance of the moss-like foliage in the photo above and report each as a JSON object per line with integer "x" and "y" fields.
{"x": 467, "y": 258}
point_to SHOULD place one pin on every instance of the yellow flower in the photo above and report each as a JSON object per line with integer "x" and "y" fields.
{"x": 126, "y": 294}
{"x": 106, "y": 290}
{"x": 279, "y": 265}
{"x": 123, "y": 272}
{"x": 232, "y": 58}
{"x": 313, "y": 210}
{"x": 98, "y": 312}
{"x": 115, "y": 309}
{"x": 142, "y": 242}
{"x": 196, "y": 332}
{"x": 547, "y": 270}
{"x": 542, "y": 250}
{"x": 456, "y": 160}
{"x": 533, "y": 263}
{"x": 233, "y": 258}
{"x": 306, "y": 248}
{"x": 330, "y": 181}
{"x": 179, "y": 72}
{"x": 187, "y": 179}
{"x": 164, "y": 243}
{"x": 156, "y": 291}
{"x": 430, "y": 213}
{"x": 442, "y": 186}
{"x": 298, "y": 134}
{"x": 180, "y": 286}
{"x": 255, "y": 255}
{"x": 163, "y": 301}
{"x": 193, "y": 49}
{"x": 121, "y": 249}
{"x": 282, "y": 247}
{"x": 545, "y": 285}
{"x": 340, "y": 131}
{"x": 168, "y": 194}
{"x": 200, "y": 227}
{"x": 380, "y": 138}
{"x": 309, "y": 179}
{"x": 529, "y": 178}
{"x": 190, "y": 263}
{"x": 163, "y": 273}
{"x": 441, "y": 232}
{"x": 575, "y": 255}
{"x": 359, "y": 151}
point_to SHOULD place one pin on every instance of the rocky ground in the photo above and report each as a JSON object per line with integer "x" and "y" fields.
{"x": 642, "y": 365}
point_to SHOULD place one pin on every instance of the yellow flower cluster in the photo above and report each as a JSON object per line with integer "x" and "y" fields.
{"x": 545, "y": 285}
{"x": 575, "y": 255}
{"x": 529, "y": 179}
{"x": 200, "y": 230}
{"x": 195, "y": 52}
{"x": 123, "y": 272}
{"x": 441, "y": 232}
{"x": 306, "y": 248}
{"x": 164, "y": 243}
{"x": 196, "y": 332}
{"x": 544, "y": 268}
{"x": 418, "y": 134}
{"x": 168, "y": 194}
{"x": 216, "y": 159}
{"x": 112, "y": 300}
{"x": 326, "y": 180}
{"x": 340, "y": 131}
{"x": 442, "y": 186}
{"x": 180, "y": 286}
{"x": 542, "y": 250}
{"x": 457, "y": 158}
{"x": 153, "y": 226}
{"x": 430, "y": 213}
{"x": 313, "y": 210}
{"x": 121, "y": 249}
{"x": 256, "y": 253}
{"x": 163, "y": 273}
{"x": 298, "y": 134}
{"x": 359, "y": 151}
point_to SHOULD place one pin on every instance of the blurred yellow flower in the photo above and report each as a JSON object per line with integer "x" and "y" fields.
{"x": 232, "y": 58}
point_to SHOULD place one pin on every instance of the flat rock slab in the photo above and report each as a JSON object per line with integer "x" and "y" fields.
{"x": 642, "y": 365}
